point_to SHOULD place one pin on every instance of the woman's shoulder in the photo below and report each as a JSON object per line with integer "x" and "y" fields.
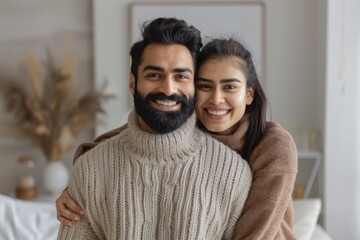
{"x": 276, "y": 132}
{"x": 277, "y": 147}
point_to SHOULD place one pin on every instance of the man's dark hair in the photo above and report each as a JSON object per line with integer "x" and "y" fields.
{"x": 165, "y": 31}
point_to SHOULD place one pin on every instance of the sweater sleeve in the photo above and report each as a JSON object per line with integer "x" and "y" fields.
{"x": 274, "y": 167}
{"x": 84, "y": 147}
{"x": 242, "y": 186}
{"x": 81, "y": 229}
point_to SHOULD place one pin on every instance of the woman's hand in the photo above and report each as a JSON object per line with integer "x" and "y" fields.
{"x": 68, "y": 211}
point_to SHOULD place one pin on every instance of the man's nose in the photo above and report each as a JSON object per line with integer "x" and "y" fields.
{"x": 168, "y": 86}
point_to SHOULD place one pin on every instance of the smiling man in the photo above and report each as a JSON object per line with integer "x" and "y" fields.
{"x": 164, "y": 90}
{"x": 160, "y": 177}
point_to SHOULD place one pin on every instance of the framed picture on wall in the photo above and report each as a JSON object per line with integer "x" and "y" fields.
{"x": 242, "y": 21}
{"x": 115, "y": 29}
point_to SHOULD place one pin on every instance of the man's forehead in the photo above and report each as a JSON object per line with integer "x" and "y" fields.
{"x": 167, "y": 56}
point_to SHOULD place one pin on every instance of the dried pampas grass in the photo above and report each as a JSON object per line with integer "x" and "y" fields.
{"x": 51, "y": 114}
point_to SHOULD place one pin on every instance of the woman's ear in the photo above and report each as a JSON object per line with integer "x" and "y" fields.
{"x": 132, "y": 83}
{"x": 249, "y": 95}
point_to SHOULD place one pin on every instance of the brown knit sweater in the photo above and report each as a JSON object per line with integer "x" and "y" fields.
{"x": 268, "y": 212}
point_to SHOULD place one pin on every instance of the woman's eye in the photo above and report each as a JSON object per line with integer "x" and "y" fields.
{"x": 230, "y": 87}
{"x": 203, "y": 86}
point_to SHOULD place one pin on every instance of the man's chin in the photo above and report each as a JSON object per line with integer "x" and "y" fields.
{"x": 161, "y": 117}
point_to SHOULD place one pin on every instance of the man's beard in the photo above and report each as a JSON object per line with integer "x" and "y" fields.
{"x": 163, "y": 121}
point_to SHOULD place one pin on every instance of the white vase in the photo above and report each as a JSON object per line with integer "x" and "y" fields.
{"x": 55, "y": 178}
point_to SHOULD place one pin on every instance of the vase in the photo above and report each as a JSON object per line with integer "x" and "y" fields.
{"x": 55, "y": 178}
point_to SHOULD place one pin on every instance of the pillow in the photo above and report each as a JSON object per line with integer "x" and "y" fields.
{"x": 29, "y": 220}
{"x": 320, "y": 234}
{"x": 306, "y": 214}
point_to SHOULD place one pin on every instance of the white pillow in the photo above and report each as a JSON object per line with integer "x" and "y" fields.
{"x": 306, "y": 213}
{"x": 320, "y": 234}
{"x": 29, "y": 220}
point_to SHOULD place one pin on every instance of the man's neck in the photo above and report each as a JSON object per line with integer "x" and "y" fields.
{"x": 143, "y": 126}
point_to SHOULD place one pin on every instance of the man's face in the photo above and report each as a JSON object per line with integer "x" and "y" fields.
{"x": 164, "y": 95}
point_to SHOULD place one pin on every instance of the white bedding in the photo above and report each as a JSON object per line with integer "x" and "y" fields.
{"x": 320, "y": 234}
{"x": 25, "y": 220}
{"x": 306, "y": 213}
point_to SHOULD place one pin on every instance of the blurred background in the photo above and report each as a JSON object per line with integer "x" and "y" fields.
{"x": 312, "y": 80}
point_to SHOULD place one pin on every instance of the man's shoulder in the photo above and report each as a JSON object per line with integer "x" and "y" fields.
{"x": 221, "y": 151}
{"x": 87, "y": 146}
{"x": 209, "y": 140}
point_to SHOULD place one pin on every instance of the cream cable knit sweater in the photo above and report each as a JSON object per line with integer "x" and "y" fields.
{"x": 180, "y": 185}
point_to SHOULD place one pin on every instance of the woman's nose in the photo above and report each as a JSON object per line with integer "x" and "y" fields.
{"x": 217, "y": 97}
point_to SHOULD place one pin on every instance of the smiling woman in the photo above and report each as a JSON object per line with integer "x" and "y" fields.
{"x": 222, "y": 94}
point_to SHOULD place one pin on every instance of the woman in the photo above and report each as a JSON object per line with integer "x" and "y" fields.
{"x": 231, "y": 106}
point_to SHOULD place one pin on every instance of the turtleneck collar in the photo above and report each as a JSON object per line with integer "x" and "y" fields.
{"x": 236, "y": 140}
{"x": 156, "y": 148}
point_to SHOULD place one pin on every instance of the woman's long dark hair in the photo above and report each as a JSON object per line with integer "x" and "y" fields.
{"x": 256, "y": 111}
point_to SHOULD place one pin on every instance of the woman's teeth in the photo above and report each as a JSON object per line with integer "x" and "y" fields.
{"x": 217, "y": 113}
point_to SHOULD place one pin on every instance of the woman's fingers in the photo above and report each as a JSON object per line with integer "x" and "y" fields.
{"x": 67, "y": 209}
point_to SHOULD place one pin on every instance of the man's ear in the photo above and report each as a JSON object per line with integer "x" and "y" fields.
{"x": 132, "y": 83}
{"x": 249, "y": 95}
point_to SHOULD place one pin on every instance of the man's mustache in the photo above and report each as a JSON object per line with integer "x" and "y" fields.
{"x": 162, "y": 96}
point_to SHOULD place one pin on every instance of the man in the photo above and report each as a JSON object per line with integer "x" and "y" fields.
{"x": 160, "y": 177}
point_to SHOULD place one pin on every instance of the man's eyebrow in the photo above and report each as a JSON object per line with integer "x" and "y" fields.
{"x": 160, "y": 69}
{"x": 154, "y": 68}
{"x": 185, "y": 69}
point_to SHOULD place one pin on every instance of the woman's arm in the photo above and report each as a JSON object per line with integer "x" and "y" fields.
{"x": 268, "y": 211}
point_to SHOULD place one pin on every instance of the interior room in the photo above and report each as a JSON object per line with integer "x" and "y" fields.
{"x": 307, "y": 53}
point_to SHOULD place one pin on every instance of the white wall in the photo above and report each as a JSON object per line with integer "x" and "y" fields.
{"x": 342, "y": 128}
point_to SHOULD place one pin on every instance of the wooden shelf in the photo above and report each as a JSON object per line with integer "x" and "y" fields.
{"x": 305, "y": 155}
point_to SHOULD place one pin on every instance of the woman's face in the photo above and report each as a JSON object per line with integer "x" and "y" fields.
{"x": 222, "y": 95}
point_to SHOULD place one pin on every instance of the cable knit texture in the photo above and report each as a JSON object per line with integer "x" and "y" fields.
{"x": 268, "y": 213}
{"x": 180, "y": 185}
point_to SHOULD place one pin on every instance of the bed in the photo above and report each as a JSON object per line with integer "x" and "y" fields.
{"x": 20, "y": 220}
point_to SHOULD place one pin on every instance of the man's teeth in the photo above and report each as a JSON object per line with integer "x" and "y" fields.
{"x": 217, "y": 113}
{"x": 166, "y": 102}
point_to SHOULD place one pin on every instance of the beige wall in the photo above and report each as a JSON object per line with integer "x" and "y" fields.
{"x": 36, "y": 25}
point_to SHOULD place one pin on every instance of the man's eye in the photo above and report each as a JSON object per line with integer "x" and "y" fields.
{"x": 182, "y": 76}
{"x": 153, "y": 75}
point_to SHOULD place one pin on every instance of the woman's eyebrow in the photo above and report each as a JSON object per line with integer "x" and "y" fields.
{"x": 204, "y": 79}
{"x": 228, "y": 80}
